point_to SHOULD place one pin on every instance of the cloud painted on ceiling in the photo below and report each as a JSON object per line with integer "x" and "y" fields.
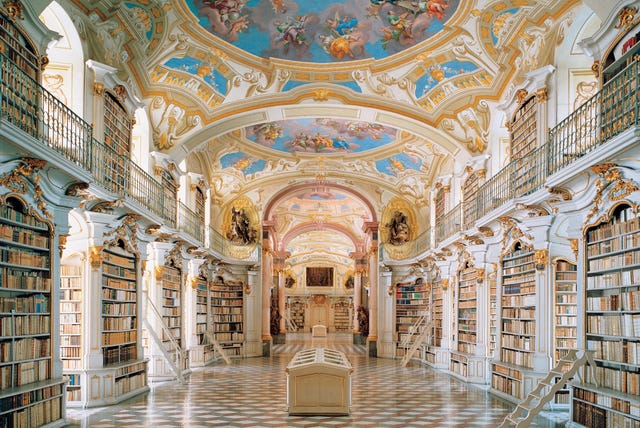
{"x": 440, "y": 72}
{"x": 242, "y": 162}
{"x": 320, "y": 135}
{"x": 197, "y": 67}
{"x": 318, "y": 31}
{"x": 292, "y": 84}
{"x": 396, "y": 165}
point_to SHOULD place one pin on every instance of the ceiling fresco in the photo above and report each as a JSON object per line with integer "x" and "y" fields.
{"x": 323, "y": 32}
{"x": 242, "y": 162}
{"x": 321, "y": 135}
{"x": 398, "y": 164}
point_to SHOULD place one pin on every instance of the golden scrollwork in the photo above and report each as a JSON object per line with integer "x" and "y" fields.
{"x": 247, "y": 289}
{"x": 192, "y": 281}
{"x": 625, "y": 18}
{"x": 44, "y": 61}
{"x": 15, "y": 181}
{"x": 540, "y": 258}
{"x": 486, "y": 231}
{"x": 445, "y": 283}
{"x": 480, "y": 275}
{"x": 95, "y": 258}
{"x": 320, "y": 94}
{"x": 573, "y": 242}
{"x": 564, "y": 194}
{"x": 121, "y": 92}
{"x": 521, "y": 95}
{"x": 62, "y": 242}
{"x": 542, "y": 95}
{"x": 595, "y": 67}
{"x": 158, "y": 273}
{"x": 14, "y": 9}
{"x": 98, "y": 89}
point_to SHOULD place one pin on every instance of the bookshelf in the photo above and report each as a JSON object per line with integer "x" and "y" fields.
{"x": 412, "y": 300}
{"x": 71, "y": 327}
{"x": 119, "y": 306}
{"x": 466, "y": 321}
{"x": 612, "y": 323}
{"x": 437, "y": 295}
{"x": 203, "y": 352}
{"x": 523, "y": 131}
{"x": 227, "y": 311}
{"x": 517, "y": 323}
{"x": 565, "y": 321}
{"x": 29, "y": 393}
{"x": 171, "y": 287}
{"x": 296, "y": 313}
{"x": 342, "y": 316}
{"x": 493, "y": 312}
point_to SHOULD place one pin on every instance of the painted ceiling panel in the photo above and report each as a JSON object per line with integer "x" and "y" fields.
{"x": 322, "y": 32}
{"x": 321, "y": 135}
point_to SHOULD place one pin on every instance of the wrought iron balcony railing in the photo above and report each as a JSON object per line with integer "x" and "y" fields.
{"x": 190, "y": 223}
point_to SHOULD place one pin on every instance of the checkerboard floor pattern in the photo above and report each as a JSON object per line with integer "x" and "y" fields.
{"x": 252, "y": 393}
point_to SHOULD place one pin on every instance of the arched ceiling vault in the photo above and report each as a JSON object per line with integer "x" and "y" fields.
{"x": 269, "y": 97}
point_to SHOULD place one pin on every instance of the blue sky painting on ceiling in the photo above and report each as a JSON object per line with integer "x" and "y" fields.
{"x": 321, "y": 31}
{"x": 320, "y": 135}
{"x": 395, "y": 165}
{"x": 199, "y": 68}
{"x": 450, "y": 69}
{"x": 242, "y": 162}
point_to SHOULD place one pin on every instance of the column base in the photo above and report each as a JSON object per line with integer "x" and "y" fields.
{"x": 266, "y": 347}
{"x": 279, "y": 339}
{"x": 373, "y": 348}
{"x": 359, "y": 339}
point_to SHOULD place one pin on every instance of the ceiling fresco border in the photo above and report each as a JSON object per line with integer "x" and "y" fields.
{"x": 202, "y": 36}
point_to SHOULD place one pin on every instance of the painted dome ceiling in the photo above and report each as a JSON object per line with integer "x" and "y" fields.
{"x": 319, "y": 31}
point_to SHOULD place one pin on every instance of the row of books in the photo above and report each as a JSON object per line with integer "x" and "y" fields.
{"x": 620, "y": 351}
{"x": 614, "y": 279}
{"x": 526, "y": 279}
{"x": 516, "y": 326}
{"x": 120, "y": 284}
{"x": 24, "y": 258}
{"x": 120, "y": 354}
{"x": 518, "y": 342}
{"x": 566, "y": 298}
{"x": 624, "y": 301}
{"x": 70, "y": 340}
{"x": 7, "y": 212}
{"x": 19, "y": 374}
{"x": 614, "y": 325}
{"x": 26, "y": 398}
{"x": 519, "y": 301}
{"x": 518, "y": 358}
{"x": 227, "y": 318}
{"x": 70, "y": 320}
{"x": 117, "y": 338}
{"x": 171, "y": 311}
{"x": 23, "y": 236}
{"x": 519, "y": 313}
{"x": 610, "y": 230}
{"x": 70, "y": 352}
{"x": 227, "y": 294}
{"x": 226, "y": 303}
{"x": 130, "y": 383}
{"x": 629, "y": 407}
{"x": 617, "y": 261}
{"x": 25, "y": 280}
{"x": 229, "y": 336}
{"x": 69, "y": 294}
{"x": 24, "y": 325}
{"x": 566, "y": 343}
{"x": 624, "y": 381}
{"x": 38, "y": 414}
{"x": 131, "y": 369}
{"x": 506, "y": 385}
{"x": 119, "y": 295}
{"x": 517, "y": 258}
{"x": 119, "y": 271}
{"x": 467, "y": 296}
{"x": 566, "y": 320}
{"x": 119, "y": 323}
{"x": 25, "y": 349}
{"x": 70, "y": 307}
{"x": 118, "y": 260}
{"x": 113, "y": 308}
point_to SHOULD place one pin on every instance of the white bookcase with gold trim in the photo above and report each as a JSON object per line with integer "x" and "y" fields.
{"x": 30, "y": 394}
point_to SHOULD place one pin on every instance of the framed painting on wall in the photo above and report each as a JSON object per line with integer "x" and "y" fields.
{"x": 319, "y": 277}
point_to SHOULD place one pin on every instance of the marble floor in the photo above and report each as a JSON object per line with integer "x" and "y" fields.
{"x": 251, "y": 393}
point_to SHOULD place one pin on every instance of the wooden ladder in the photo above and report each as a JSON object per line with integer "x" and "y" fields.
{"x": 546, "y": 389}
{"x": 421, "y": 338}
{"x": 219, "y": 349}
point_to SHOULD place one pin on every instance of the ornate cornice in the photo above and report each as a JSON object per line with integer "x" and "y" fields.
{"x": 15, "y": 181}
